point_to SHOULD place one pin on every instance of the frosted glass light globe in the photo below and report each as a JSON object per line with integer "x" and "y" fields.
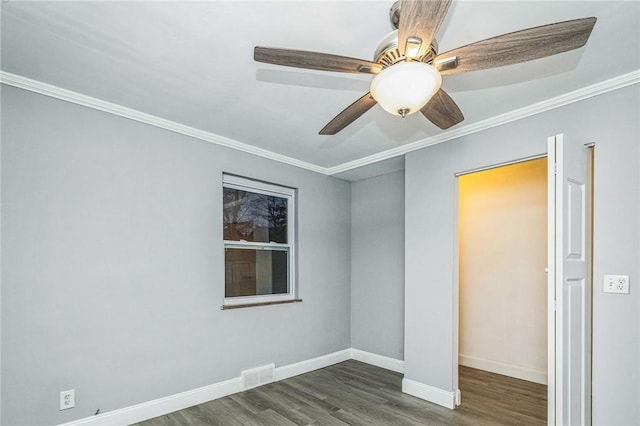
{"x": 405, "y": 87}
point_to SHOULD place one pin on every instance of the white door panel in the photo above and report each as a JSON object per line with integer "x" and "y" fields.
{"x": 569, "y": 283}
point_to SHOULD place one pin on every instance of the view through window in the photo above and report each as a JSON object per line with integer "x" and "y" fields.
{"x": 258, "y": 237}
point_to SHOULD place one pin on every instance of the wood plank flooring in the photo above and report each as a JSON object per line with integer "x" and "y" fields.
{"x": 354, "y": 393}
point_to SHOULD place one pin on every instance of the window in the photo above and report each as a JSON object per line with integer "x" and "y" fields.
{"x": 259, "y": 226}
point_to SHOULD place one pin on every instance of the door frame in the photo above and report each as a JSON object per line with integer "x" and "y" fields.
{"x": 456, "y": 263}
{"x": 551, "y": 341}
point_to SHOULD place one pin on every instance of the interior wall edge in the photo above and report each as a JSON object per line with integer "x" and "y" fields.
{"x": 540, "y": 107}
{"x": 56, "y": 92}
{"x": 584, "y": 93}
{"x": 429, "y": 393}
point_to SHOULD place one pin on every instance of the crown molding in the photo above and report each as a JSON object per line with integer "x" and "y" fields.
{"x": 132, "y": 114}
{"x": 540, "y": 107}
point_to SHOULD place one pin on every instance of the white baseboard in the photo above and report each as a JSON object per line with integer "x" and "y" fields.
{"x": 381, "y": 361}
{"x": 510, "y": 370}
{"x": 161, "y": 406}
{"x": 306, "y": 366}
{"x": 429, "y": 393}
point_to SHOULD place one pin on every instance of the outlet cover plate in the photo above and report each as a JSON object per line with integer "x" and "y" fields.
{"x": 67, "y": 399}
{"x": 616, "y": 284}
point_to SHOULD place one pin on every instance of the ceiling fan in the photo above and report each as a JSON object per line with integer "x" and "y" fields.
{"x": 408, "y": 68}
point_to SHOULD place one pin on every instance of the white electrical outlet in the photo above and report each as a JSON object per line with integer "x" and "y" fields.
{"x": 616, "y": 284}
{"x": 67, "y": 399}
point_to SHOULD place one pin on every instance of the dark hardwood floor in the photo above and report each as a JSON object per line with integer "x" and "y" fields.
{"x": 354, "y": 393}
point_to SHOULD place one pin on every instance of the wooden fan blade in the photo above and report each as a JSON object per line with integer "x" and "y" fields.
{"x": 349, "y": 114}
{"x": 442, "y": 111}
{"x": 314, "y": 60}
{"x": 419, "y": 19}
{"x": 519, "y": 46}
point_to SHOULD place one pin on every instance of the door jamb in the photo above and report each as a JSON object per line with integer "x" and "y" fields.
{"x": 456, "y": 268}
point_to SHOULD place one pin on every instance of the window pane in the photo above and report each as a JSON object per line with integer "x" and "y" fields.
{"x": 251, "y": 272}
{"x": 254, "y": 217}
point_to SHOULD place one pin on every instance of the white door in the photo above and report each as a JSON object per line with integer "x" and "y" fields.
{"x": 569, "y": 282}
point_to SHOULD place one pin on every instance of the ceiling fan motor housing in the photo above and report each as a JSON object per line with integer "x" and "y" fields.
{"x": 387, "y": 52}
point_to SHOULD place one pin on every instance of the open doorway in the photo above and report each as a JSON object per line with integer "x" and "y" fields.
{"x": 502, "y": 339}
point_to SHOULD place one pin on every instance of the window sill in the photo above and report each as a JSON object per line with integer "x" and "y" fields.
{"x": 251, "y": 305}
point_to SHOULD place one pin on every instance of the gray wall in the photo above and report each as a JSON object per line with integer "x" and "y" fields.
{"x": 377, "y": 265}
{"x": 609, "y": 120}
{"x": 112, "y": 258}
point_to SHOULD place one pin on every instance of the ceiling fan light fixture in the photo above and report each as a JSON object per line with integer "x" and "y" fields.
{"x": 405, "y": 87}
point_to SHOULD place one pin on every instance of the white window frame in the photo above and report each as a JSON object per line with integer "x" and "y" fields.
{"x": 259, "y": 187}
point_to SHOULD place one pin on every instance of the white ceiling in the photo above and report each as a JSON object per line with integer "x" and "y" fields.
{"x": 192, "y": 63}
